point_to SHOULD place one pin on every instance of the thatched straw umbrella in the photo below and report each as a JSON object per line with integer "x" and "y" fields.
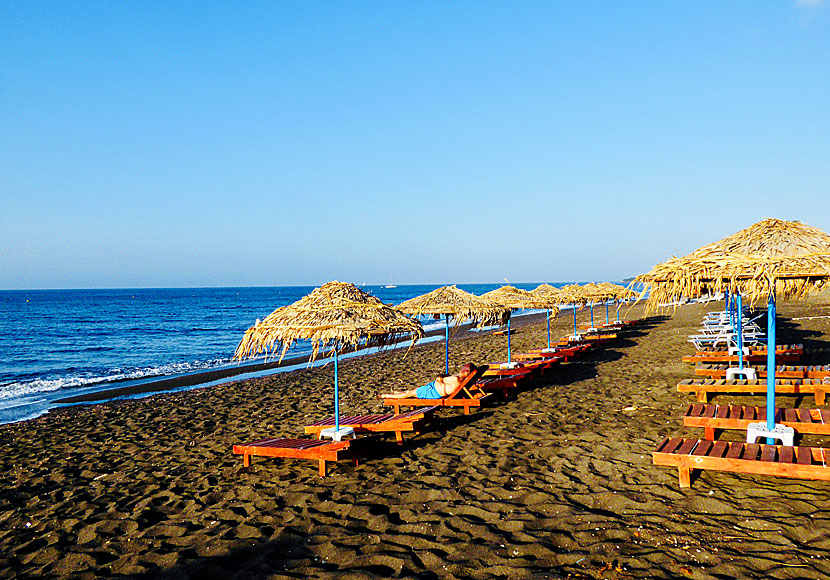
{"x": 772, "y": 257}
{"x": 594, "y": 293}
{"x": 452, "y": 302}
{"x": 514, "y": 298}
{"x": 553, "y": 296}
{"x": 616, "y": 293}
{"x": 573, "y": 294}
{"x": 336, "y": 315}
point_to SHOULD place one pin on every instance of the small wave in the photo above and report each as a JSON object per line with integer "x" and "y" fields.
{"x": 45, "y": 385}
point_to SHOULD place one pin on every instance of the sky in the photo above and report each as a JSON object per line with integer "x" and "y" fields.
{"x": 291, "y": 143}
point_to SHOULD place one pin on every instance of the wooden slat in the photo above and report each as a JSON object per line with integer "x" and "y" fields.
{"x": 702, "y": 448}
{"x": 719, "y": 449}
{"x": 751, "y": 451}
{"x": 768, "y": 452}
{"x": 735, "y": 450}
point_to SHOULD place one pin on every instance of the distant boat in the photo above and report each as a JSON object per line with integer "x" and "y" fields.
{"x": 391, "y": 286}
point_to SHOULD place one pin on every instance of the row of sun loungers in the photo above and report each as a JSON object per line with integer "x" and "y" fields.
{"x": 479, "y": 387}
{"x": 689, "y": 454}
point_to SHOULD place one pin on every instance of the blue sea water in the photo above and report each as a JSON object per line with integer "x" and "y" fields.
{"x": 58, "y": 343}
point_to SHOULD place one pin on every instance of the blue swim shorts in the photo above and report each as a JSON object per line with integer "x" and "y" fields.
{"x": 428, "y": 391}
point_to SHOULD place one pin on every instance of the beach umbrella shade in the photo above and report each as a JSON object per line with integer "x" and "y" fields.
{"x": 336, "y": 316}
{"x": 461, "y": 306}
{"x": 515, "y": 298}
{"x": 616, "y": 293}
{"x": 594, "y": 293}
{"x": 573, "y": 294}
{"x": 772, "y": 258}
{"x": 553, "y": 296}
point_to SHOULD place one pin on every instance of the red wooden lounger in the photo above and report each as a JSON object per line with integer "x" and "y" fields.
{"x": 586, "y": 338}
{"x": 412, "y": 421}
{"x": 466, "y": 395}
{"x": 565, "y": 352}
{"x": 535, "y": 367}
{"x": 783, "y": 353}
{"x": 314, "y": 449}
{"x": 702, "y": 387}
{"x": 713, "y": 418}
{"x": 778, "y": 460}
{"x": 718, "y": 371}
{"x": 504, "y": 384}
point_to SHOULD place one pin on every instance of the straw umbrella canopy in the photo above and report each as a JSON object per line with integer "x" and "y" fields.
{"x": 594, "y": 293}
{"x": 573, "y": 294}
{"x": 554, "y": 297}
{"x": 336, "y": 315}
{"x": 616, "y": 293}
{"x": 768, "y": 259}
{"x": 514, "y": 298}
{"x": 772, "y": 257}
{"x": 451, "y": 301}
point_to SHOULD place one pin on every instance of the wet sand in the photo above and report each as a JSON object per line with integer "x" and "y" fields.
{"x": 554, "y": 483}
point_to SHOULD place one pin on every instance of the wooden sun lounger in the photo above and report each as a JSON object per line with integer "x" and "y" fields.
{"x": 714, "y": 418}
{"x": 535, "y": 366}
{"x": 783, "y": 353}
{"x": 313, "y": 449}
{"x": 718, "y": 371}
{"x": 412, "y": 422}
{"x": 781, "y": 349}
{"x": 565, "y": 352}
{"x": 586, "y": 339}
{"x": 703, "y": 387}
{"x": 467, "y": 395}
{"x": 777, "y": 460}
{"x": 503, "y": 384}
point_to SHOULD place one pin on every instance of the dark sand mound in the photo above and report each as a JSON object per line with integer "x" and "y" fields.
{"x": 554, "y": 483}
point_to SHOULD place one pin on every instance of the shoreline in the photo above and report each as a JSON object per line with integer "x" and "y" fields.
{"x": 220, "y": 376}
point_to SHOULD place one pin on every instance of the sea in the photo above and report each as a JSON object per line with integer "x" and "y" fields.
{"x": 60, "y": 343}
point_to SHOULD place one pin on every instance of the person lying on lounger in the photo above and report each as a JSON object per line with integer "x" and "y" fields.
{"x": 440, "y": 387}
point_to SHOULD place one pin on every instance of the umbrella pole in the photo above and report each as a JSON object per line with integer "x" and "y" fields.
{"x": 548, "y": 317}
{"x": 592, "y": 314}
{"x": 740, "y": 333}
{"x": 771, "y": 365}
{"x": 508, "y": 340}
{"x": 619, "y": 304}
{"x": 574, "y": 319}
{"x": 336, "y": 395}
{"x": 607, "y": 315}
{"x": 447, "y": 346}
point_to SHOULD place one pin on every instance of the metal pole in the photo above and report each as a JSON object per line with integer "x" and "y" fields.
{"x": 592, "y": 314}
{"x": 574, "y": 319}
{"x": 508, "y": 340}
{"x": 740, "y": 334}
{"x": 619, "y": 305}
{"x": 771, "y": 365}
{"x": 336, "y": 395}
{"x": 607, "y": 316}
{"x": 447, "y": 346}
{"x": 548, "y": 328}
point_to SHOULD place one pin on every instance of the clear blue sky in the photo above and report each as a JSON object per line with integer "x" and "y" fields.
{"x": 280, "y": 143}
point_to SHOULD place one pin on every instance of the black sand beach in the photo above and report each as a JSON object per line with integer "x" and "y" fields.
{"x": 554, "y": 483}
